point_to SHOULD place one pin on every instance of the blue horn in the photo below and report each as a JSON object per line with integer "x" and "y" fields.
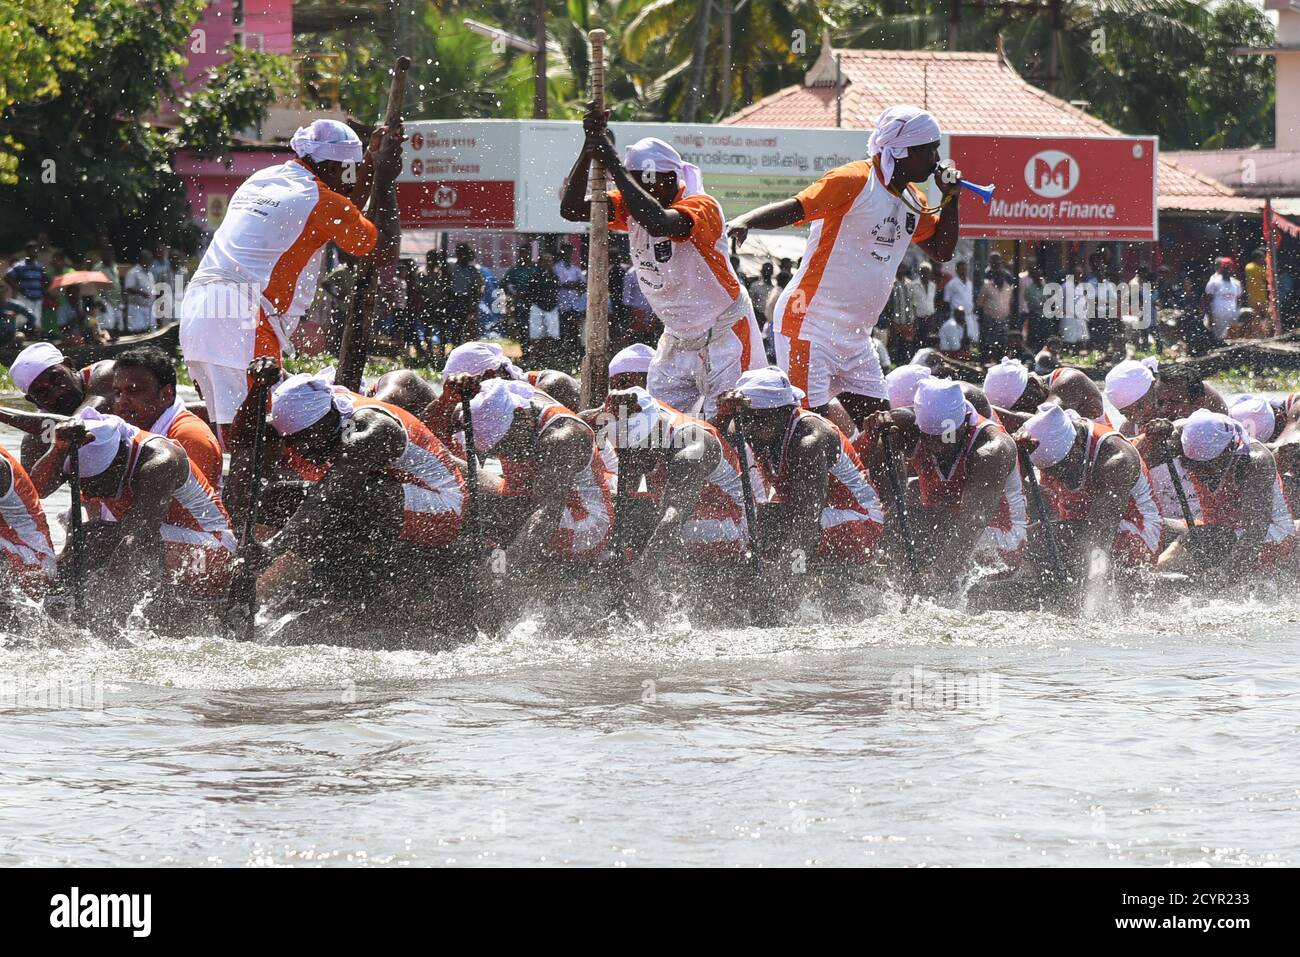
{"x": 983, "y": 192}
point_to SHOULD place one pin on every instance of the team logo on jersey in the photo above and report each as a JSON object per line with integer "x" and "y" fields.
{"x": 664, "y": 251}
{"x": 886, "y": 234}
{"x": 911, "y": 223}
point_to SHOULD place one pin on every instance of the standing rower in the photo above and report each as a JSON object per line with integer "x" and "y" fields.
{"x": 675, "y": 236}
{"x": 25, "y": 544}
{"x": 864, "y": 216}
{"x": 260, "y": 271}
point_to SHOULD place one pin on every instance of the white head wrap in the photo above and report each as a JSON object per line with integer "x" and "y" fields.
{"x": 635, "y": 358}
{"x": 654, "y": 154}
{"x": 302, "y": 400}
{"x": 327, "y": 140}
{"x": 1152, "y": 363}
{"x": 477, "y": 358}
{"x": 898, "y": 128}
{"x": 1206, "y": 434}
{"x": 1128, "y": 382}
{"x": 901, "y": 384}
{"x": 940, "y": 406}
{"x": 1005, "y": 382}
{"x": 1256, "y": 415}
{"x": 1054, "y": 427}
{"x": 107, "y": 434}
{"x": 493, "y": 410}
{"x": 768, "y": 388}
{"x": 32, "y": 361}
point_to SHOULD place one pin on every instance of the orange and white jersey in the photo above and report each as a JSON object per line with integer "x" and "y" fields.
{"x": 1137, "y": 538}
{"x": 24, "y": 533}
{"x": 270, "y": 244}
{"x": 688, "y": 280}
{"x": 860, "y": 232}
{"x": 717, "y": 527}
{"x": 852, "y": 519}
{"x": 1007, "y": 533}
{"x": 588, "y": 516}
{"x": 433, "y": 488}
{"x": 198, "y": 544}
{"x": 1221, "y": 506}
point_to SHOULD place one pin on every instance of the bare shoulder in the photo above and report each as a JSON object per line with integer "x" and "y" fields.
{"x": 994, "y": 453}
{"x": 101, "y": 378}
{"x": 1119, "y": 460}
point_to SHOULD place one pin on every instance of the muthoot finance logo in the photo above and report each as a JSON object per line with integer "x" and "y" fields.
{"x": 444, "y": 197}
{"x": 1051, "y": 173}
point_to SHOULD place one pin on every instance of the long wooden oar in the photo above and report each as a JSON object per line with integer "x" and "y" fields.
{"x": 74, "y": 530}
{"x": 1040, "y": 506}
{"x": 243, "y": 588}
{"x": 379, "y": 267}
{"x": 741, "y": 445}
{"x": 1186, "y": 508}
{"x": 900, "y": 507}
{"x": 471, "y": 474}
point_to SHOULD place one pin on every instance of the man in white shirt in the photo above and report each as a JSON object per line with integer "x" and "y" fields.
{"x": 959, "y": 293}
{"x": 950, "y": 334}
{"x": 1223, "y": 296}
{"x": 864, "y": 217}
{"x": 138, "y": 294}
{"x": 923, "y": 293}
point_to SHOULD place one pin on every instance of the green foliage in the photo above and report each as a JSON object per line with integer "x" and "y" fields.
{"x": 1144, "y": 66}
{"x": 234, "y": 96}
{"x": 38, "y": 40}
{"x": 89, "y": 161}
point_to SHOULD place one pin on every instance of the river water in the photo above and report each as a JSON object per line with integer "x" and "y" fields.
{"x": 1168, "y": 737}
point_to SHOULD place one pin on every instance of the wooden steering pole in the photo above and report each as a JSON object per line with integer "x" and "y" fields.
{"x": 595, "y": 358}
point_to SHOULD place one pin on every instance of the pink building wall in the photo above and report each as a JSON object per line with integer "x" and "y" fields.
{"x": 271, "y": 20}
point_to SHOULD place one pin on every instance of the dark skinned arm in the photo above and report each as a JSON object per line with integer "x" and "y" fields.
{"x": 688, "y": 468}
{"x": 138, "y": 553}
{"x": 372, "y": 441}
{"x": 810, "y": 458}
{"x": 563, "y": 451}
{"x": 1259, "y": 480}
{"x": 990, "y": 464}
{"x": 641, "y": 206}
{"x": 779, "y": 215}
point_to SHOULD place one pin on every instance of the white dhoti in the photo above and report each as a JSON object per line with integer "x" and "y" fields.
{"x": 690, "y": 374}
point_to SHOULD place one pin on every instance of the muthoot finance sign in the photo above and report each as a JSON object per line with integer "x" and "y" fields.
{"x": 1059, "y": 187}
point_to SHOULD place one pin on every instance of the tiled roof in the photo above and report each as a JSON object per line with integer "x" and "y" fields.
{"x": 967, "y": 93}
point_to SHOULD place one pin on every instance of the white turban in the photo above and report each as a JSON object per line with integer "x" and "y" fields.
{"x": 1128, "y": 382}
{"x": 635, "y": 358}
{"x": 1152, "y": 363}
{"x": 898, "y": 128}
{"x": 768, "y": 388}
{"x": 493, "y": 410}
{"x": 1207, "y": 434}
{"x": 901, "y": 384}
{"x": 924, "y": 356}
{"x": 476, "y": 358}
{"x": 327, "y": 140}
{"x": 654, "y": 154}
{"x": 31, "y": 362}
{"x": 1005, "y": 382}
{"x": 1256, "y": 415}
{"x": 940, "y": 406}
{"x": 302, "y": 400}
{"x": 107, "y": 433}
{"x": 1054, "y": 427}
